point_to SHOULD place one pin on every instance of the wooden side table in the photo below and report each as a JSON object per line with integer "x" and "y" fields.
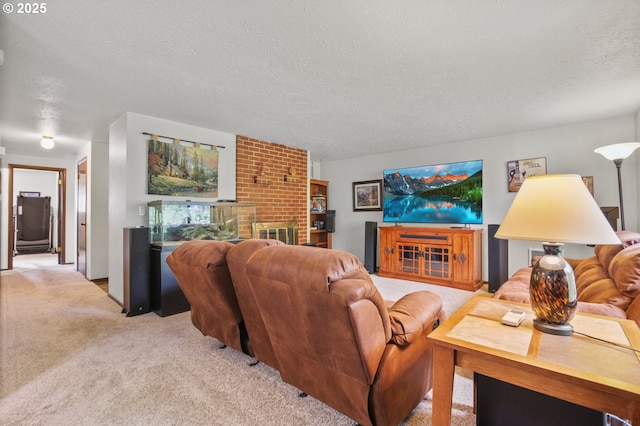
{"x": 582, "y": 370}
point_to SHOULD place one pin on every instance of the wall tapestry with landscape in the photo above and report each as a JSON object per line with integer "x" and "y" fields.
{"x": 182, "y": 169}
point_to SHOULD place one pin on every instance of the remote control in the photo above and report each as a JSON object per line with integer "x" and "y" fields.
{"x": 513, "y": 318}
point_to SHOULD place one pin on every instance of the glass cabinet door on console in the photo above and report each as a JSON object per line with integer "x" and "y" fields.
{"x": 424, "y": 261}
{"x": 409, "y": 259}
{"x": 436, "y": 262}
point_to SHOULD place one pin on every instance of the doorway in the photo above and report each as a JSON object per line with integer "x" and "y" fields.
{"x": 58, "y": 193}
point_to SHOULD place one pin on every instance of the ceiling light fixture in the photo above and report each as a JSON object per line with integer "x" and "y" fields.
{"x": 47, "y": 142}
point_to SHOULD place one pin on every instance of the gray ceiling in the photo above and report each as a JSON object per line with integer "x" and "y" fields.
{"x": 338, "y": 78}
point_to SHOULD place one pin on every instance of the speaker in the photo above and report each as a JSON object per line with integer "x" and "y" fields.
{"x": 370, "y": 246}
{"x": 136, "y": 262}
{"x": 498, "y": 259}
{"x": 330, "y": 221}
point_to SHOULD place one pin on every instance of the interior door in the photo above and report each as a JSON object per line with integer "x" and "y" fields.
{"x": 62, "y": 214}
{"x": 81, "y": 260}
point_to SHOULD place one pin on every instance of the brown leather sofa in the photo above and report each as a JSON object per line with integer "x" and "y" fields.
{"x": 314, "y": 315}
{"x": 608, "y": 283}
{"x": 334, "y": 337}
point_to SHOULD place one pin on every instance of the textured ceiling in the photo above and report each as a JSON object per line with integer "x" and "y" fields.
{"x": 338, "y": 78}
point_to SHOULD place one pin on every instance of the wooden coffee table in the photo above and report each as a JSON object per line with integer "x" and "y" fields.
{"x": 578, "y": 369}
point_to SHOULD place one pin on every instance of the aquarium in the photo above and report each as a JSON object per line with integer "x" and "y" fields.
{"x": 174, "y": 222}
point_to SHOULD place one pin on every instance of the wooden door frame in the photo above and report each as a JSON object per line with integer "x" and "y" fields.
{"x": 84, "y": 161}
{"x": 62, "y": 210}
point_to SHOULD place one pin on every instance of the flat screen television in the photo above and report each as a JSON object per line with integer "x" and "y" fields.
{"x": 440, "y": 193}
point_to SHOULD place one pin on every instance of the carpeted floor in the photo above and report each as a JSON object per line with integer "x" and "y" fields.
{"x": 68, "y": 356}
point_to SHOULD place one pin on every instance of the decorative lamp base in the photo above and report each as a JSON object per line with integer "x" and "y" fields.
{"x": 554, "y": 298}
{"x": 557, "y": 329}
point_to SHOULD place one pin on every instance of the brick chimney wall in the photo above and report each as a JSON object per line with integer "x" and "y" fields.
{"x": 261, "y": 168}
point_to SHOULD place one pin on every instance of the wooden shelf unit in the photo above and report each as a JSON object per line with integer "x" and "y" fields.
{"x": 445, "y": 256}
{"x": 318, "y": 191}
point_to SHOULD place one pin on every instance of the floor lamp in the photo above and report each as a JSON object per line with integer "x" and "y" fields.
{"x": 617, "y": 153}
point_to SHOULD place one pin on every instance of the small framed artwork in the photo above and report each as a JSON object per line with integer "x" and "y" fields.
{"x": 318, "y": 205}
{"x": 534, "y": 255}
{"x": 29, "y": 194}
{"x": 367, "y": 195}
{"x": 519, "y": 170}
{"x": 588, "y": 181}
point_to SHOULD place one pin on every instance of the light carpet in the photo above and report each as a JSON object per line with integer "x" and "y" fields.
{"x": 69, "y": 356}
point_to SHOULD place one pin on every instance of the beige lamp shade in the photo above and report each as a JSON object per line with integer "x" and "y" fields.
{"x": 556, "y": 209}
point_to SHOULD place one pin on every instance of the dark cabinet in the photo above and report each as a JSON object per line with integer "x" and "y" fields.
{"x": 167, "y": 297}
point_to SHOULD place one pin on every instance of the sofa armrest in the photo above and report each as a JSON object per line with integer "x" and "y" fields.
{"x": 410, "y": 315}
{"x": 405, "y": 372}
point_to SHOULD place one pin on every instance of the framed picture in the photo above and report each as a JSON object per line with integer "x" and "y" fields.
{"x": 588, "y": 181}
{"x": 367, "y": 195}
{"x": 318, "y": 204}
{"x": 519, "y": 170}
{"x": 534, "y": 255}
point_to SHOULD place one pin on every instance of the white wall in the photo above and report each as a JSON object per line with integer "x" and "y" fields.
{"x": 97, "y": 215}
{"x": 128, "y": 177}
{"x": 70, "y": 221}
{"x": 637, "y": 155}
{"x": 567, "y": 150}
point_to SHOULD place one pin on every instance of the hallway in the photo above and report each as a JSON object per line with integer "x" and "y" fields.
{"x": 34, "y": 261}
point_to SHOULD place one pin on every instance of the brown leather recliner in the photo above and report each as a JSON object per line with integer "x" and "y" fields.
{"x": 259, "y": 341}
{"x": 334, "y": 337}
{"x": 201, "y": 270}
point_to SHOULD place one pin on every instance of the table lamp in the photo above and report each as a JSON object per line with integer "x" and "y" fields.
{"x": 617, "y": 153}
{"x": 555, "y": 209}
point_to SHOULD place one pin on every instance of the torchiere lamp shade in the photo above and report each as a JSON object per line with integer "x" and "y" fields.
{"x": 555, "y": 209}
{"x": 617, "y": 153}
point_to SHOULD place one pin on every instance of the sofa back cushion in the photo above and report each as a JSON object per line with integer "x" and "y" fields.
{"x": 588, "y": 272}
{"x": 593, "y": 282}
{"x": 625, "y": 270}
{"x": 606, "y": 252}
{"x": 604, "y": 291}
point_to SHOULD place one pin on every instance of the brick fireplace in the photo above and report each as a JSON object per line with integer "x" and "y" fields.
{"x": 274, "y": 177}
{"x": 287, "y": 232}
